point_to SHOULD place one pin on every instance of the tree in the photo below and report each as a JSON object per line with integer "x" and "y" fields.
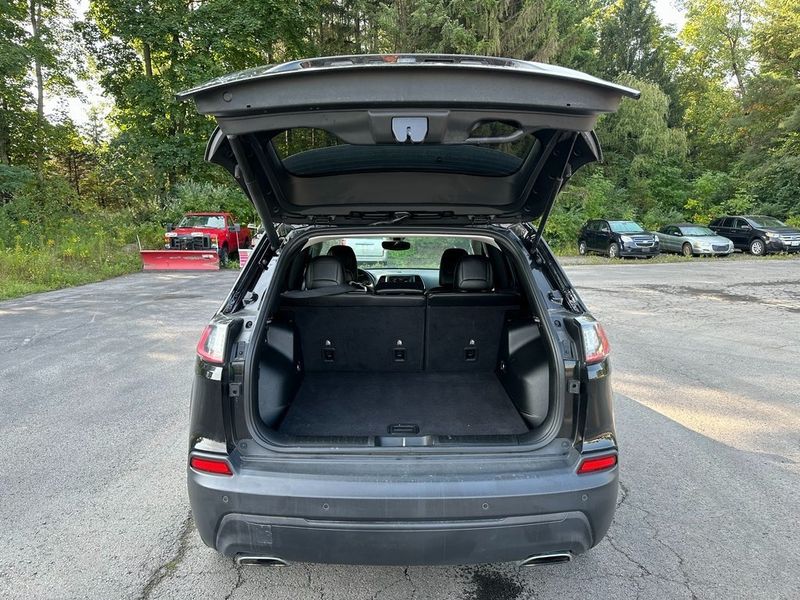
{"x": 148, "y": 50}
{"x": 776, "y": 37}
{"x": 527, "y": 29}
{"x": 631, "y": 41}
{"x": 717, "y": 33}
{"x": 643, "y": 154}
{"x": 14, "y": 95}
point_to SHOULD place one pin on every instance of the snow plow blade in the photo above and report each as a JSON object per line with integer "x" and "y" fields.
{"x": 180, "y": 260}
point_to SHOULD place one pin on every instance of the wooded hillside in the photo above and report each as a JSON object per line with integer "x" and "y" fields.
{"x": 717, "y": 129}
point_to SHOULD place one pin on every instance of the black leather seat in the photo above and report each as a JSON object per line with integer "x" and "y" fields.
{"x": 324, "y": 271}
{"x": 354, "y": 330}
{"x": 447, "y": 268}
{"x": 473, "y": 274}
{"x": 464, "y": 326}
{"x": 347, "y": 257}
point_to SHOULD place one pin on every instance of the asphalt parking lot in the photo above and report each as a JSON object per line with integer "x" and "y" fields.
{"x": 95, "y": 387}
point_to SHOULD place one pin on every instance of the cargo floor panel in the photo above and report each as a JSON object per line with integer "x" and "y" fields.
{"x": 368, "y": 404}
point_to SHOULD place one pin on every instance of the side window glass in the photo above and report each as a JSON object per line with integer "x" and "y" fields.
{"x": 604, "y": 227}
{"x": 727, "y": 222}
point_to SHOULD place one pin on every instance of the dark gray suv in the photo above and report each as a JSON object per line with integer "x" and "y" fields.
{"x": 402, "y": 373}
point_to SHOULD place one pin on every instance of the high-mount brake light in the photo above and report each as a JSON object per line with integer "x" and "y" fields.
{"x": 599, "y": 463}
{"x": 216, "y": 466}
{"x": 595, "y": 341}
{"x": 211, "y": 347}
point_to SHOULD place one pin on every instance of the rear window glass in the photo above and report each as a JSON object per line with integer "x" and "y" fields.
{"x": 315, "y": 152}
{"x": 766, "y": 222}
{"x": 424, "y": 253}
{"x": 696, "y": 231}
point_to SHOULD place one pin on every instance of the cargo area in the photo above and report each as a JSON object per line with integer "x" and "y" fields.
{"x": 454, "y": 354}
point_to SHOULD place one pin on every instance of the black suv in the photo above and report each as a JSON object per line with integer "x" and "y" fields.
{"x": 449, "y": 403}
{"x": 617, "y": 239}
{"x": 758, "y": 234}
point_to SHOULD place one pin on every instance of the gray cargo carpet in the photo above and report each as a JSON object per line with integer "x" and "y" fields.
{"x": 366, "y": 404}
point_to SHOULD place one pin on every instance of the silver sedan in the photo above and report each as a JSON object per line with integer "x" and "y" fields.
{"x": 693, "y": 240}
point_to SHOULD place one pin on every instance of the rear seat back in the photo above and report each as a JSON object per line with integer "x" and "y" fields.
{"x": 447, "y": 268}
{"x": 458, "y": 330}
{"x": 355, "y": 331}
{"x": 465, "y": 326}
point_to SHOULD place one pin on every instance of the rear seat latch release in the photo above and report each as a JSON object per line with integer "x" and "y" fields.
{"x": 399, "y": 351}
{"x": 471, "y": 351}
{"x": 328, "y": 352}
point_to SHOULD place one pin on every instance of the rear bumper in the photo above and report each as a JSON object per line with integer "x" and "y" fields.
{"x": 405, "y": 521}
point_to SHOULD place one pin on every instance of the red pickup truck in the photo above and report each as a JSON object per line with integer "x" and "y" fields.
{"x": 220, "y": 229}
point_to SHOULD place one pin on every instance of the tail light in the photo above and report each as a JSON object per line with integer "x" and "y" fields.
{"x": 597, "y": 463}
{"x": 216, "y": 466}
{"x": 211, "y": 347}
{"x": 596, "y": 347}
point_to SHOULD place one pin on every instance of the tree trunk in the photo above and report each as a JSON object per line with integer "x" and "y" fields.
{"x": 737, "y": 70}
{"x": 4, "y": 134}
{"x": 148, "y": 62}
{"x": 733, "y": 42}
{"x": 35, "y": 9}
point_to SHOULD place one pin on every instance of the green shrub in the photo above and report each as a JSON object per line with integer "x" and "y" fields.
{"x": 204, "y": 196}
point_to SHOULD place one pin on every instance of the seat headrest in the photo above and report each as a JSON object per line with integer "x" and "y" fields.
{"x": 474, "y": 274}
{"x": 324, "y": 271}
{"x": 347, "y": 256}
{"x": 447, "y": 265}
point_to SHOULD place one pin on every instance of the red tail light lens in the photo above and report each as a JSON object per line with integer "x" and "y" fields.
{"x": 600, "y": 463}
{"x": 211, "y": 347}
{"x": 595, "y": 341}
{"x": 217, "y": 466}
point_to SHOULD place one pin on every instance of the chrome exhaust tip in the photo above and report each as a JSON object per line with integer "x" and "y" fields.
{"x": 260, "y": 561}
{"x": 546, "y": 559}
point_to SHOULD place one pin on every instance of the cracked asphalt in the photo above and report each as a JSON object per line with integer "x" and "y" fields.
{"x": 95, "y": 384}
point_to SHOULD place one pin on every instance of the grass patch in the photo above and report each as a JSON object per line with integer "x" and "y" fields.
{"x": 27, "y": 271}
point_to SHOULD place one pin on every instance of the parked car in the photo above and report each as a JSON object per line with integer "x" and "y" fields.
{"x": 617, "y": 239}
{"x": 225, "y": 233}
{"x": 368, "y": 250}
{"x": 758, "y": 234}
{"x": 451, "y": 417}
{"x": 693, "y": 240}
